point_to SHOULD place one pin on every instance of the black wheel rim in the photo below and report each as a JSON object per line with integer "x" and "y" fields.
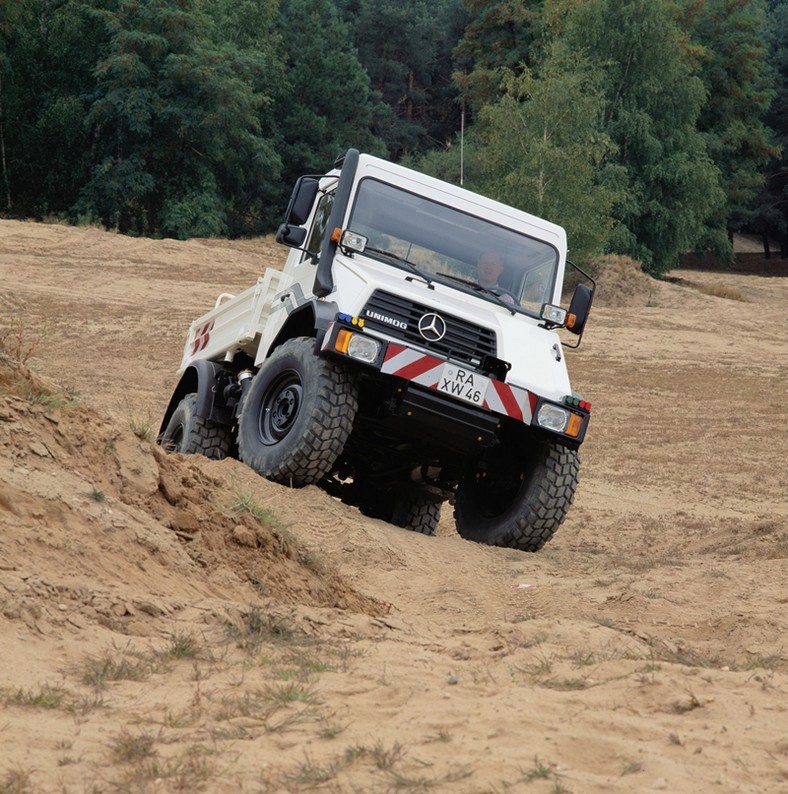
{"x": 280, "y": 407}
{"x": 174, "y": 440}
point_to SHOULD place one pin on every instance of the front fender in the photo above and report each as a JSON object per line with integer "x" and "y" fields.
{"x": 202, "y": 377}
{"x": 310, "y": 318}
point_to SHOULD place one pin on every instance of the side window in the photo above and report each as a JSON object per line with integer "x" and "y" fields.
{"x": 537, "y": 285}
{"x": 319, "y": 224}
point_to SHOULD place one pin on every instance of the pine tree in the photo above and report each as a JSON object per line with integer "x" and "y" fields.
{"x": 732, "y": 54}
{"x": 8, "y": 13}
{"x": 653, "y": 103}
{"x": 50, "y": 50}
{"x": 768, "y": 214}
{"x": 174, "y": 122}
{"x": 500, "y": 35}
{"x": 327, "y": 104}
{"x": 405, "y": 46}
{"x": 543, "y": 149}
{"x": 248, "y": 29}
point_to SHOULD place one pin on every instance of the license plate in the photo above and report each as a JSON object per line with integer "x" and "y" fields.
{"x": 464, "y": 384}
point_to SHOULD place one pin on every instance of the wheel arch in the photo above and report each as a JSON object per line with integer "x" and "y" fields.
{"x": 311, "y": 318}
{"x": 201, "y": 377}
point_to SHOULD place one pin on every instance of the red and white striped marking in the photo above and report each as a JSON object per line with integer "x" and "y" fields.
{"x": 501, "y": 398}
{"x": 202, "y": 335}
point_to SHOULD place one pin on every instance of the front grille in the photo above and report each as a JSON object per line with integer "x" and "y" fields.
{"x": 464, "y": 341}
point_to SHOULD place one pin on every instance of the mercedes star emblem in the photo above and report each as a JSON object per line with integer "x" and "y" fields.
{"x": 432, "y": 327}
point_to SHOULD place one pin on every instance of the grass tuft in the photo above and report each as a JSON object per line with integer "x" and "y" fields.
{"x": 718, "y": 291}
{"x": 243, "y": 502}
{"x": 47, "y": 697}
{"x": 182, "y": 646}
{"x": 257, "y": 628}
{"x": 289, "y": 693}
{"x": 17, "y": 781}
{"x": 131, "y": 748}
{"x": 141, "y": 427}
{"x": 540, "y": 771}
{"x": 98, "y": 671}
{"x": 98, "y": 496}
{"x": 190, "y": 772}
{"x": 631, "y": 768}
{"x": 65, "y": 399}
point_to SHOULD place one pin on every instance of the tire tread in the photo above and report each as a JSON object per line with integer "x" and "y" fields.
{"x": 200, "y": 436}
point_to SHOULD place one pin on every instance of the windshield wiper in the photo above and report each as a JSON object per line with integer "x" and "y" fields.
{"x": 474, "y": 285}
{"x": 401, "y": 260}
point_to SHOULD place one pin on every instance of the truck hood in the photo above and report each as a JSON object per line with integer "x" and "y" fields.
{"x": 535, "y": 354}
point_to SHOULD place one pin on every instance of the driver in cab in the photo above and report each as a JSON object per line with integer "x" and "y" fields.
{"x": 489, "y": 267}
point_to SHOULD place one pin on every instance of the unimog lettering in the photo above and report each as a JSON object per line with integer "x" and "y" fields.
{"x": 388, "y": 320}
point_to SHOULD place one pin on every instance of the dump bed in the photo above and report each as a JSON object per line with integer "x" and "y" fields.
{"x": 236, "y": 321}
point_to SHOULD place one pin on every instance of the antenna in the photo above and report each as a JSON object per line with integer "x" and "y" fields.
{"x": 462, "y": 144}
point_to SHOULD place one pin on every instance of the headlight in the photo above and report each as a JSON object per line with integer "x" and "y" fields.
{"x": 363, "y": 348}
{"x": 553, "y": 417}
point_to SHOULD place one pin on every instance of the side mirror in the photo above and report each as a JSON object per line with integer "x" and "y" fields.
{"x": 302, "y": 200}
{"x": 292, "y": 236}
{"x": 579, "y": 308}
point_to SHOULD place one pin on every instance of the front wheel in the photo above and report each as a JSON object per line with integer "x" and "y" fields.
{"x": 520, "y": 510}
{"x": 190, "y": 434}
{"x": 297, "y": 415}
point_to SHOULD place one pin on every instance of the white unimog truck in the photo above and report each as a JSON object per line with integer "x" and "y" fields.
{"x": 376, "y": 365}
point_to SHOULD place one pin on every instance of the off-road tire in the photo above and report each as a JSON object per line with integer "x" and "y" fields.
{"x": 418, "y": 515}
{"x": 406, "y": 510}
{"x": 190, "y": 434}
{"x": 532, "y": 513}
{"x": 297, "y": 415}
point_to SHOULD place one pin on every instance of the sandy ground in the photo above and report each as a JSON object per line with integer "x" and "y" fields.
{"x": 175, "y": 624}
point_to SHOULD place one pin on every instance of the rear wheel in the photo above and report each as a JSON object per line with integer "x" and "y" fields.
{"x": 418, "y": 515}
{"x": 406, "y": 510}
{"x": 521, "y": 511}
{"x": 297, "y": 415}
{"x": 190, "y": 434}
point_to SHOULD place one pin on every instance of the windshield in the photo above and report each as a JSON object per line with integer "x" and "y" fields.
{"x": 467, "y": 252}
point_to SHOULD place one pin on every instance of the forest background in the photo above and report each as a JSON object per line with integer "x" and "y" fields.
{"x": 647, "y": 128}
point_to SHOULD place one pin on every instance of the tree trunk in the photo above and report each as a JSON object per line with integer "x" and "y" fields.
{"x": 2, "y": 152}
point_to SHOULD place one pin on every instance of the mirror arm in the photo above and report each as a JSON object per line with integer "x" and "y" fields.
{"x": 593, "y": 291}
{"x": 583, "y": 273}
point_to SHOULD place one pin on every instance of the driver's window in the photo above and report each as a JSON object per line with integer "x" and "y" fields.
{"x": 319, "y": 225}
